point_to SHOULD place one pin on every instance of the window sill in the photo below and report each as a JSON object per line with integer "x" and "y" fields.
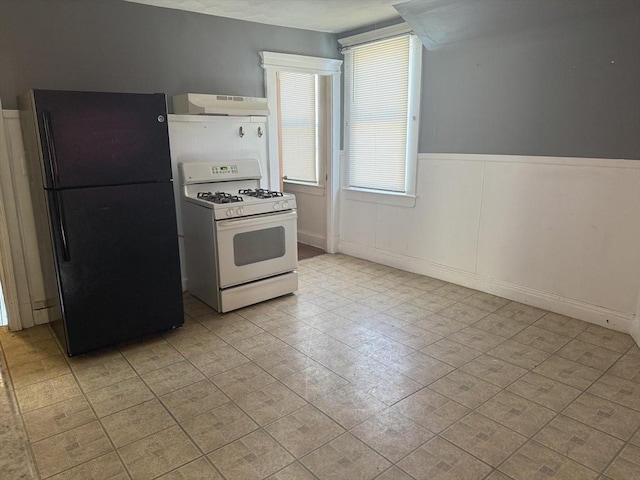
{"x": 395, "y": 199}
{"x": 304, "y": 188}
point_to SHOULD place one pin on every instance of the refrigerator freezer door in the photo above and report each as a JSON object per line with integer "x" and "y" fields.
{"x": 116, "y": 252}
{"x": 93, "y": 139}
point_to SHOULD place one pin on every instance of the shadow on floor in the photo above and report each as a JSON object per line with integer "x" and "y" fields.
{"x": 307, "y": 251}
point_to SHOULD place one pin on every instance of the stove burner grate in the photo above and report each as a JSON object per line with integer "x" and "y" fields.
{"x": 260, "y": 193}
{"x": 219, "y": 197}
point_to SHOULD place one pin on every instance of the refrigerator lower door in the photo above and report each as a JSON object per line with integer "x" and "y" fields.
{"x": 116, "y": 252}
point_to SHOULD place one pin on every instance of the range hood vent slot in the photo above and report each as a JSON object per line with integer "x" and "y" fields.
{"x": 203, "y": 104}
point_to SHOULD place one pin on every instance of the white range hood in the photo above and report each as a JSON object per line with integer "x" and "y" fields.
{"x": 204, "y": 104}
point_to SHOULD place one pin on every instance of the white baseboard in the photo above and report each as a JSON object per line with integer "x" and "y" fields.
{"x": 635, "y": 327}
{"x": 314, "y": 241}
{"x": 635, "y": 330}
{"x": 622, "y": 322}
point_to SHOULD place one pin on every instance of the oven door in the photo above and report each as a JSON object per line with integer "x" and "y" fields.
{"x": 251, "y": 248}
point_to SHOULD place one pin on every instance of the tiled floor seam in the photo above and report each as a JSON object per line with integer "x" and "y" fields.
{"x": 614, "y": 457}
{"x": 260, "y": 427}
{"x": 20, "y": 420}
{"x": 475, "y": 410}
{"x": 625, "y": 442}
{"x": 177, "y": 423}
{"x": 531, "y": 440}
{"x": 98, "y": 419}
{"x": 531, "y": 437}
{"x": 29, "y": 448}
{"x": 299, "y": 459}
{"x": 104, "y": 429}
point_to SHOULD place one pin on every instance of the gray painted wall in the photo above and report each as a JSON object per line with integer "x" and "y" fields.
{"x": 113, "y": 45}
{"x": 569, "y": 88}
{"x": 546, "y": 91}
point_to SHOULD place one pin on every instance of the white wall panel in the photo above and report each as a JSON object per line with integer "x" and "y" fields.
{"x": 312, "y": 218}
{"x": 394, "y": 228}
{"x": 568, "y": 230}
{"x": 447, "y": 212}
{"x": 357, "y": 223}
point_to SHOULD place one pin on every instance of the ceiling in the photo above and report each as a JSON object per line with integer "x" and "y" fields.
{"x": 436, "y": 22}
{"x": 331, "y": 16}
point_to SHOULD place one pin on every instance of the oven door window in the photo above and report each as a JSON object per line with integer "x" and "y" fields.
{"x": 258, "y": 245}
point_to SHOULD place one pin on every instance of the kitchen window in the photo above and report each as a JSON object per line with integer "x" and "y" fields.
{"x": 382, "y": 99}
{"x": 298, "y": 126}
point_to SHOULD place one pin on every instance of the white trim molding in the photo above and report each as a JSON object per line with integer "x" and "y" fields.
{"x": 7, "y": 273}
{"x": 635, "y": 327}
{"x": 522, "y": 159}
{"x": 374, "y": 35}
{"x": 300, "y": 63}
{"x": 273, "y": 62}
{"x": 384, "y": 198}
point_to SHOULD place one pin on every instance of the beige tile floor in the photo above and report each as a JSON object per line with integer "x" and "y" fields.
{"x": 366, "y": 372}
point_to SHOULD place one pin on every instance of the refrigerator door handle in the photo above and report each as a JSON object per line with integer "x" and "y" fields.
{"x": 51, "y": 150}
{"x": 62, "y": 226}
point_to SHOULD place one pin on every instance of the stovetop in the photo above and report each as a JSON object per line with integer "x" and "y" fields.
{"x": 224, "y": 197}
{"x": 245, "y": 202}
{"x": 219, "y": 197}
{"x": 260, "y": 193}
{"x": 231, "y": 189}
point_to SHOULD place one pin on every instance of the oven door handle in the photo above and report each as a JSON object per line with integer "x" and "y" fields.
{"x": 256, "y": 220}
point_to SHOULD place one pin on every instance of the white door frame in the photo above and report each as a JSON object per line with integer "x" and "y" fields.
{"x": 274, "y": 62}
{"x": 7, "y": 274}
{"x": 635, "y": 326}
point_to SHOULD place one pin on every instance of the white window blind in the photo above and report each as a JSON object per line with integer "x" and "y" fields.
{"x": 297, "y": 108}
{"x": 377, "y": 124}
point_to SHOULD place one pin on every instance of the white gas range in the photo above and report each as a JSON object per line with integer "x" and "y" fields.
{"x": 240, "y": 241}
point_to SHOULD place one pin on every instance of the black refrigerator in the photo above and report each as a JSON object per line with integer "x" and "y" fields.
{"x": 100, "y": 178}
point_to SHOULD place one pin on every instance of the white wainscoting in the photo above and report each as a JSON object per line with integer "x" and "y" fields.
{"x": 635, "y": 328}
{"x": 561, "y": 234}
{"x": 312, "y": 217}
{"x": 32, "y": 299}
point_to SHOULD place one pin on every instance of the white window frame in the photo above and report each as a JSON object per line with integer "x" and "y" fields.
{"x": 273, "y": 62}
{"x": 408, "y": 197}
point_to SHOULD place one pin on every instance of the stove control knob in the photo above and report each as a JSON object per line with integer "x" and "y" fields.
{"x": 276, "y": 206}
{"x": 230, "y": 212}
{"x": 285, "y": 205}
{"x": 239, "y": 211}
